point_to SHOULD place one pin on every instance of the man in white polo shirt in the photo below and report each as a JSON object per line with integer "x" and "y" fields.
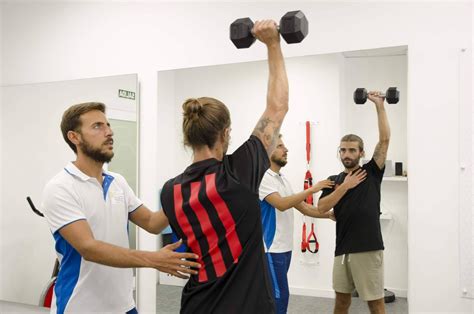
{"x": 87, "y": 210}
{"x": 277, "y": 201}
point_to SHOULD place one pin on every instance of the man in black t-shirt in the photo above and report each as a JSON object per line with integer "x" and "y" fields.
{"x": 358, "y": 262}
{"x": 213, "y": 206}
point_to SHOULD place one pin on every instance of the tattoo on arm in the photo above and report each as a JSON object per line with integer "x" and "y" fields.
{"x": 380, "y": 153}
{"x": 267, "y": 131}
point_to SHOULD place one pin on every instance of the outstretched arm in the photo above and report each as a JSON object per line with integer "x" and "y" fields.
{"x": 283, "y": 203}
{"x": 268, "y": 127}
{"x": 80, "y": 236}
{"x": 153, "y": 222}
{"x": 312, "y": 211}
{"x": 380, "y": 152}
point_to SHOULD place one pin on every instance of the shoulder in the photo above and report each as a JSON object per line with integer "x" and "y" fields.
{"x": 168, "y": 185}
{"x": 268, "y": 178}
{"x": 61, "y": 182}
{"x": 253, "y": 143}
{"x": 372, "y": 164}
{"x": 338, "y": 178}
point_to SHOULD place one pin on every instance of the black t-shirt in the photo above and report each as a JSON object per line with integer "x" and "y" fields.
{"x": 214, "y": 207}
{"x": 358, "y": 213}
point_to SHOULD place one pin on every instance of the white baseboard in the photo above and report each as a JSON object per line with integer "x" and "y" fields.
{"x": 398, "y": 292}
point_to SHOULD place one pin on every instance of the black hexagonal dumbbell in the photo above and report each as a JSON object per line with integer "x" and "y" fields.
{"x": 293, "y": 28}
{"x": 392, "y": 95}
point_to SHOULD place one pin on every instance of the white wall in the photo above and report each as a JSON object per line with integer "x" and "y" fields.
{"x": 47, "y": 42}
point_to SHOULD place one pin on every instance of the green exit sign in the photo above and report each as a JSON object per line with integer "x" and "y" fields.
{"x": 126, "y": 94}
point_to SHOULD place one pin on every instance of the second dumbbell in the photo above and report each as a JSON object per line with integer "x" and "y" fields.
{"x": 293, "y": 28}
{"x": 392, "y": 95}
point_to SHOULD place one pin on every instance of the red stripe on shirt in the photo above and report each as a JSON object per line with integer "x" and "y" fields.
{"x": 188, "y": 231}
{"x": 224, "y": 215}
{"x": 207, "y": 229}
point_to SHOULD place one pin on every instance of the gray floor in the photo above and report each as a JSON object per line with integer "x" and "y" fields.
{"x": 168, "y": 300}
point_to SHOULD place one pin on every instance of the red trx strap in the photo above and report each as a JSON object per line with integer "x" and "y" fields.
{"x": 308, "y": 182}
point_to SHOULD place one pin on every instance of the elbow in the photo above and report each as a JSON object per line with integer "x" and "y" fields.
{"x": 280, "y": 104}
{"x": 87, "y": 251}
{"x": 283, "y": 206}
{"x": 322, "y": 208}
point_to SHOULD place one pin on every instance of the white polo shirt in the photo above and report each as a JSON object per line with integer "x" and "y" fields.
{"x": 84, "y": 286}
{"x": 277, "y": 225}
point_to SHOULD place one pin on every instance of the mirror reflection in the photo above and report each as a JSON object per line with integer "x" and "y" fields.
{"x": 322, "y": 110}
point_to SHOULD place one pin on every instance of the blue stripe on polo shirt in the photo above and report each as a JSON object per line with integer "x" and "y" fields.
{"x": 268, "y": 223}
{"x": 68, "y": 272}
{"x": 106, "y": 183}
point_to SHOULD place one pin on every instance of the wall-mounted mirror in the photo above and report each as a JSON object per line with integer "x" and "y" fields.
{"x": 321, "y": 91}
{"x": 33, "y": 151}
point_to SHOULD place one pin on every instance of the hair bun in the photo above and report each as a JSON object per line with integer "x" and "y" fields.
{"x": 192, "y": 108}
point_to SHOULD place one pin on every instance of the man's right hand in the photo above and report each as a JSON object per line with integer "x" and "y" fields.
{"x": 324, "y": 184}
{"x": 168, "y": 261}
{"x": 354, "y": 178}
{"x": 266, "y": 31}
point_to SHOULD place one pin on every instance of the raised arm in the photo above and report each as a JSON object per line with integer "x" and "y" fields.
{"x": 380, "y": 152}
{"x": 268, "y": 127}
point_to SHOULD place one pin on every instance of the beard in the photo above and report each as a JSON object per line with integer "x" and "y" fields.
{"x": 96, "y": 154}
{"x": 279, "y": 161}
{"x": 350, "y": 163}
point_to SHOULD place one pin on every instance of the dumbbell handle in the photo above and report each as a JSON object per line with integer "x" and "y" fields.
{"x": 253, "y": 34}
{"x": 380, "y": 94}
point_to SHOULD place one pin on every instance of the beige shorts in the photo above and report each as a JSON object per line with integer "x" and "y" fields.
{"x": 361, "y": 271}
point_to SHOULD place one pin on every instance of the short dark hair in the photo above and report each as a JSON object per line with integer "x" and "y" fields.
{"x": 71, "y": 120}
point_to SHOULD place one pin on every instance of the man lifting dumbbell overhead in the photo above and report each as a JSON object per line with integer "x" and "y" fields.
{"x": 293, "y": 28}
{"x": 214, "y": 206}
{"x": 358, "y": 262}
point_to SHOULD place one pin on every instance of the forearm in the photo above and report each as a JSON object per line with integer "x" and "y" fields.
{"x": 287, "y": 202}
{"x": 381, "y": 149}
{"x": 268, "y": 127}
{"x": 153, "y": 222}
{"x": 311, "y": 211}
{"x": 327, "y": 203}
{"x": 277, "y": 95}
{"x": 384, "y": 128}
{"x": 111, "y": 255}
{"x": 158, "y": 222}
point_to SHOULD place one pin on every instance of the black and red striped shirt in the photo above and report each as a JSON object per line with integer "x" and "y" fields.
{"x": 214, "y": 207}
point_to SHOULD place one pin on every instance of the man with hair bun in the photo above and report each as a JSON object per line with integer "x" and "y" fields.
{"x": 213, "y": 206}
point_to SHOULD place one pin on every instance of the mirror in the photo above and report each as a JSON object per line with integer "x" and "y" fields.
{"x": 321, "y": 91}
{"x": 33, "y": 151}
